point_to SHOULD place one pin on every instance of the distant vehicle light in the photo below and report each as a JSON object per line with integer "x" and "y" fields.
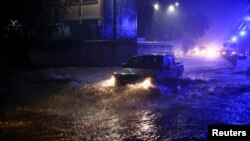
{"x": 207, "y": 52}
{"x": 177, "y": 4}
{"x": 203, "y": 52}
{"x": 211, "y": 53}
{"x": 233, "y": 53}
{"x": 224, "y": 53}
{"x": 196, "y": 51}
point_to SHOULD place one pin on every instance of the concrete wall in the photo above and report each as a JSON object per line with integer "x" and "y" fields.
{"x": 103, "y": 53}
{"x": 96, "y": 53}
{"x": 86, "y": 11}
{"x": 98, "y": 18}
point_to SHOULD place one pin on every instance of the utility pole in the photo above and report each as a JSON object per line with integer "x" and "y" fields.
{"x": 114, "y": 20}
{"x": 80, "y": 12}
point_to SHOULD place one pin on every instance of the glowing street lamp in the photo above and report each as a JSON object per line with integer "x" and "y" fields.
{"x": 234, "y": 39}
{"x": 247, "y": 18}
{"x": 242, "y": 33}
{"x": 156, "y": 6}
{"x": 176, "y": 4}
{"x": 171, "y": 8}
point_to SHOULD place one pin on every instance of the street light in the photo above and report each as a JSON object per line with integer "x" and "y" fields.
{"x": 242, "y": 33}
{"x": 156, "y": 6}
{"x": 234, "y": 39}
{"x": 171, "y": 8}
{"x": 247, "y": 18}
{"x": 176, "y": 4}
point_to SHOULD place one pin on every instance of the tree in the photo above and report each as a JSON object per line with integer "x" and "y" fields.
{"x": 35, "y": 18}
{"x": 27, "y": 22}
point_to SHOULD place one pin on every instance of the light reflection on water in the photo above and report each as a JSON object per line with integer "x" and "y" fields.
{"x": 202, "y": 97}
{"x": 122, "y": 118}
{"x": 183, "y": 115}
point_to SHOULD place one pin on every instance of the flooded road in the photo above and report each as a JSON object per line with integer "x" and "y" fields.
{"x": 71, "y": 104}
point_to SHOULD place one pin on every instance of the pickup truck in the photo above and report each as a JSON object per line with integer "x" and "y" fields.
{"x": 157, "y": 67}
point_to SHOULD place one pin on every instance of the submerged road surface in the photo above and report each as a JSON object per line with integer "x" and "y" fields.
{"x": 71, "y": 104}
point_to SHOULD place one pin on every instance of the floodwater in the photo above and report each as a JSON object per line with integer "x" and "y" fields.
{"x": 71, "y": 104}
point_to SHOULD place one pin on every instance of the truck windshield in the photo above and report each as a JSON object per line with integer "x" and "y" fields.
{"x": 152, "y": 62}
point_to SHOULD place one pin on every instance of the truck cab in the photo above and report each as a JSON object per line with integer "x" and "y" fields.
{"x": 156, "y": 66}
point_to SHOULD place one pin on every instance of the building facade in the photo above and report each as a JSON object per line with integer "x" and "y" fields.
{"x": 239, "y": 37}
{"x": 101, "y": 19}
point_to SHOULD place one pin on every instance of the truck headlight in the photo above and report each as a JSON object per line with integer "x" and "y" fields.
{"x": 147, "y": 83}
{"x": 110, "y": 82}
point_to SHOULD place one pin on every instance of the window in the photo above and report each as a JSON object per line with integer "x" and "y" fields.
{"x": 166, "y": 62}
{"x": 135, "y": 63}
{"x": 145, "y": 62}
{"x": 76, "y": 2}
{"x": 89, "y": 1}
{"x": 72, "y": 2}
{"x": 153, "y": 62}
{"x": 171, "y": 60}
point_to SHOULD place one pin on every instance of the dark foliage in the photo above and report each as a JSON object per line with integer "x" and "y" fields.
{"x": 27, "y": 24}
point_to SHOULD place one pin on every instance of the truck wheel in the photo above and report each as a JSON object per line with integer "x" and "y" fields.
{"x": 117, "y": 83}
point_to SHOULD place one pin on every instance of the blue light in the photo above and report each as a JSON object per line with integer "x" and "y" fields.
{"x": 234, "y": 39}
{"x": 243, "y": 33}
{"x": 177, "y": 4}
{"x": 247, "y": 18}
